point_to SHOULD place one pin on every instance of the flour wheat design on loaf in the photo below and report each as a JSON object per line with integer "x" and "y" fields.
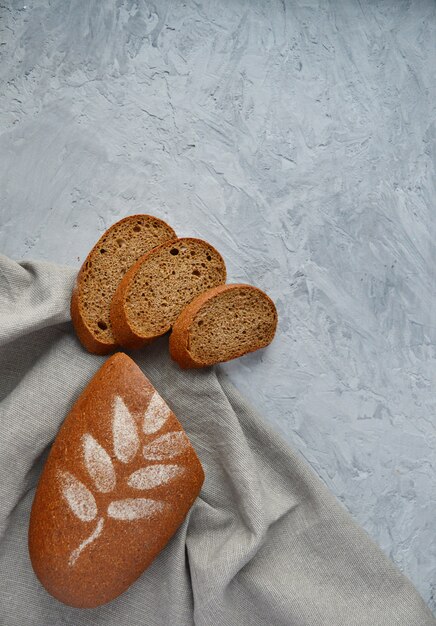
{"x": 118, "y": 482}
{"x": 102, "y": 472}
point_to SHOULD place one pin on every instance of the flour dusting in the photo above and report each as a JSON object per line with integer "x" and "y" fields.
{"x": 134, "y": 508}
{"x": 154, "y": 475}
{"x": 166, "y": 447}
{"x": 79, "y": 498}
{"x": 97, "y": 532}
{"x": 102, "y": 471}
{"x": 126, "y": 441}
{"x": 99, "y": 464}
{"x": 156, "y": 414}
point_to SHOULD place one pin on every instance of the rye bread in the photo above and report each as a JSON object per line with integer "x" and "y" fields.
{"x": 222, "y": 324}
{"x": 118, "y": 482}
{"x": 154, "y": 291}
{"x": 116, "y": 250}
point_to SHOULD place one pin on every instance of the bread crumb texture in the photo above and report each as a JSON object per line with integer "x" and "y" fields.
{"x": 167, "y": 281}
{"x": 232, "y": 323}
{"x": 109, "y": 260}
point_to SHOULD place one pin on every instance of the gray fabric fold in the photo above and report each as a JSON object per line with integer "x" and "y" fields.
{"x": 265, "y": 544}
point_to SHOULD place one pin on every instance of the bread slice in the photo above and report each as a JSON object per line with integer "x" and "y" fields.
{"x": 160, "y": 284}
{"x": 118, "y": 248}
{"x": 222, "y": 324}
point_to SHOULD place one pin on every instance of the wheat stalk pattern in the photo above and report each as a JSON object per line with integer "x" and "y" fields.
{"x": 102, "y": 471}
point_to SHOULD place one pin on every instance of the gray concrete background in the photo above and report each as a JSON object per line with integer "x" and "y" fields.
{"x": 297, "y": 137}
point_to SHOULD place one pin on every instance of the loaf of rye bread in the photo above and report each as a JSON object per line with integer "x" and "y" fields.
{"x": 221, "y": 324}
{"x": 118, "y": 482}
{"x": 114, "y": 253}
{"x": 159, "y": 285}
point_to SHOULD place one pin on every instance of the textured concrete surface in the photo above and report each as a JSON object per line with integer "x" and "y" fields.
{"x": 299, "y": 138}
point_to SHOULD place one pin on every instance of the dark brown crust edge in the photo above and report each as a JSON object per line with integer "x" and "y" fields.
{"x": 179, "y": 338}
{"x": 121, "y": 329}
{"x": 85, "y": 336}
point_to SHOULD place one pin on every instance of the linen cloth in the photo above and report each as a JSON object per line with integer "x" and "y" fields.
{"x": 265, "y": 543}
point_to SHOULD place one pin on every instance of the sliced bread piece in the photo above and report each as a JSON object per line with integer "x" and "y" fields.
{"x": 222, "y": 324}
{"x": 116, "y": 250}
{"x": 160, "y": 284}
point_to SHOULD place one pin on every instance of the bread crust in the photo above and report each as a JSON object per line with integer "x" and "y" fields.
{"x": 86, "y": 337}
{"x": 179, "y": 338}
{"x": 121, "y": 328}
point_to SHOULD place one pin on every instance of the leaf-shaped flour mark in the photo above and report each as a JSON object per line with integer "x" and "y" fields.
{"x": 79, "y": 498}
{"x": 134, "y": 508}
{"x": 99, "y": 464}
{"x": 166, "y": 447}
{"x": 126, "y": 440}
{"x": 156, "y": 414}
{"x": 154, "y": 475}
{"x": 92, "y": 537}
